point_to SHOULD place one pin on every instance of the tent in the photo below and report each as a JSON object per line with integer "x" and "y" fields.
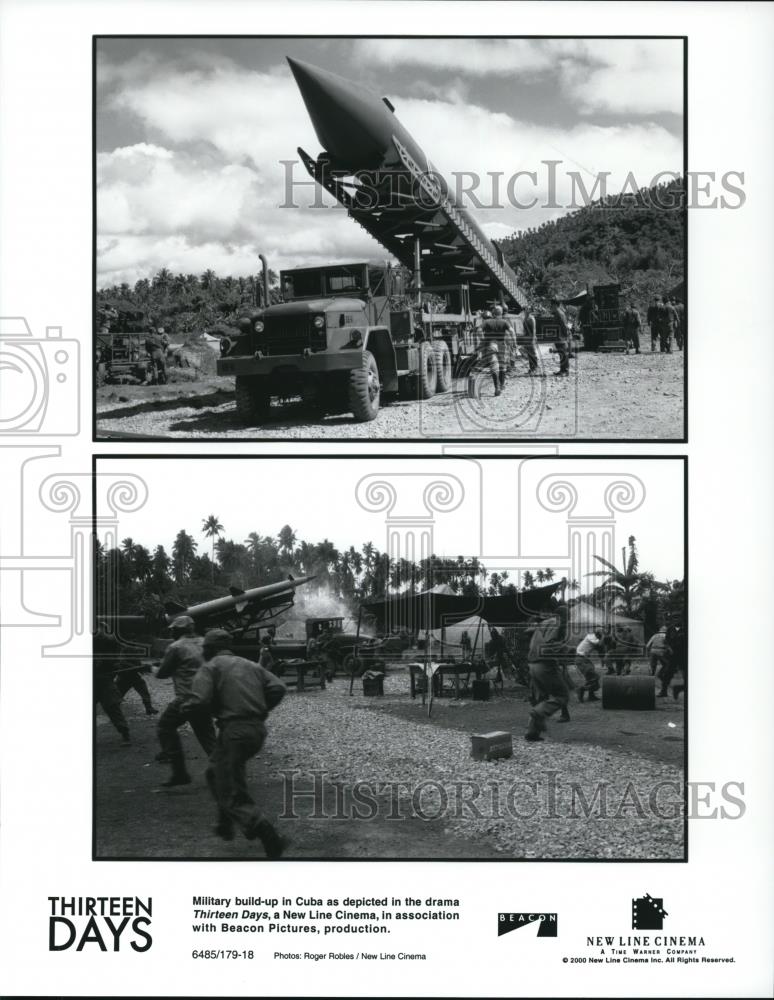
{"x": 584, "y": 618}
{"x": 431, "y": 610}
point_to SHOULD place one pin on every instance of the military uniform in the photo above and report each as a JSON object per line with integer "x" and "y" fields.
{"x": 550, "y": 693}
{"x": 631, "y": 325}
{"x": 530, "y": 342}
{"x": 106, "y": 653}
{"x": 680, "y": 328}
{"x": 496, "y": 332}
{"x": 671, "y": 321}
{"x": 652, "y": 318}
{"x": 158, "y": 355}
{"x": 585, "y": 665}
{"x": 562, "y": 343}
{"x": 181, "y": 662}
{"x": 240, "y": 694}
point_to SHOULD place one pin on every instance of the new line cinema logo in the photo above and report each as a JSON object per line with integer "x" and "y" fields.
{"x": 548, "y": 923}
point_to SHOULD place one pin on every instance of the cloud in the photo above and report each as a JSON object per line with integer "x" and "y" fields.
{"x": 205, "y": 188}
{"x": 608, "y": 75}
{"x": 638, "y": 77}
{"x": 479, "y": 57}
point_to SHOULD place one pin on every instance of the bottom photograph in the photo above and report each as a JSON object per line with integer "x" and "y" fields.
{"x": 370, "y": 658}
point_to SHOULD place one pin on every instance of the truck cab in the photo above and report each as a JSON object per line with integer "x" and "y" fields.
{"x": 344, "y": 337}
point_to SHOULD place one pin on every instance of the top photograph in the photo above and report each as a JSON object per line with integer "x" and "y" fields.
{"x": 392, "y": 239}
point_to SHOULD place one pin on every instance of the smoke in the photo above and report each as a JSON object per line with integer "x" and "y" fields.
{"x": 319, "y": 603}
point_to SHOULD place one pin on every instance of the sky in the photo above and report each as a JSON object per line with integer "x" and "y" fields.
{"x": 191, "y": 133}
{"x": 318, "y": 498}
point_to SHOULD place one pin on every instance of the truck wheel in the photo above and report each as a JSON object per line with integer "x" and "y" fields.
{"x": 443, "y": 366}
{"x": 364, "y": 389}
{"x": 252, "y": 400}
{"x": 427, "y": 375}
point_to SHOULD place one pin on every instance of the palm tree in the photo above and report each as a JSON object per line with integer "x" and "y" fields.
{"x": 183, "y": 551}
{"x": 287, "y": 539}
{"x": 624, "y": 586}
{"x": 212, "y": 528}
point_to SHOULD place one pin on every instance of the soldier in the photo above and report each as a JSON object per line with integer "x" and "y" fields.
{"x": 562, "y": 344}
{"x": 652, "y": 318}
{"x": 530, "y": 340}
{"x": 656, "y": 650}
{"x": 631, "y": 325}
{"x": 128, "y": 679}
{"x": 498, "y": 337}
{"x": 666, "y": 317}
{"x": 240, "y": 694}
{"x": 181, "y": 662}
{"x": 609, "y": 646}
{"x": 550, "y": 693}
{"x": 679, "y": 309}
{"x": 592, "y": 643}
{"x": 675, "y": 658}
{"x": 106, "y": 653}
{"x": 158, "y": 355}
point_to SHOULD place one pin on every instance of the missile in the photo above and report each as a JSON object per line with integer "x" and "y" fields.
{"x": 257, "y": 599}
{"x": 399, "y": 197}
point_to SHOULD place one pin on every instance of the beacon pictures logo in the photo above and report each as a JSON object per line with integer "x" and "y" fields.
{"x": 648, "y": 913}
{"x": 548, "y": 924}
{"x": 99, "y": 923}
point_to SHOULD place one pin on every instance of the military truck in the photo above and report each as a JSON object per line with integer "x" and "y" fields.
{"x": 121, "y": 355}
{"x": 346, "y": 337}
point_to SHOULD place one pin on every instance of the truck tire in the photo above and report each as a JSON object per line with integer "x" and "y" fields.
{"x": 364, "y": 389}
{"x": 443, "y": 366}
{"x": 427, "y": 376}
{"x": 253, "y": 401}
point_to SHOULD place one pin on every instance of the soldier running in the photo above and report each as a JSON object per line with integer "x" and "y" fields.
{"x": 181, "y": 662}
{"x": 106, "y": 662}
{"x": 240, "y": 694}
{"x": 550, "y": 690}
{"x": 592, "y": 643}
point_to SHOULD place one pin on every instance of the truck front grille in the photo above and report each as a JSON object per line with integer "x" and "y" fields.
{"x": 286, "y": 334}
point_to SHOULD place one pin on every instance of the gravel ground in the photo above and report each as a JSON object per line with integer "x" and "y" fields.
{"x": 389, "y": 740}
{"x": 606, "y": 396}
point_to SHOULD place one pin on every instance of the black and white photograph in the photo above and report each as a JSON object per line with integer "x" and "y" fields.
{"x": 383, "y": 238}
{"x": 363, "y": 520}
{"x": 468, "y": 659}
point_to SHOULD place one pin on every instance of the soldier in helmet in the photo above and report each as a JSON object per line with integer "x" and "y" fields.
{"x": 240, "y": 694}
{"x": 181, "y": 662}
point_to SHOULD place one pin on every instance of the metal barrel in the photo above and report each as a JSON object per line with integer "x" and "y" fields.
{"x": 636, "y": 692}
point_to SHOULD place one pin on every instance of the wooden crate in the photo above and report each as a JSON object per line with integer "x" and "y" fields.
{"x": 489, "y": 746}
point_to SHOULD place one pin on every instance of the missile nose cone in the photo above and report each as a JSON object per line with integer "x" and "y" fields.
{"x": 353, "y": 125}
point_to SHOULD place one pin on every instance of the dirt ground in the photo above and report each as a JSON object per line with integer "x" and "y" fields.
{"x": 606, "y": 396}
{"x": 349, "y": 739}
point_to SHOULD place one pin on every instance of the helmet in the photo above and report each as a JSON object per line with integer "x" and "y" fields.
{"x": 184, "y": 621}
{"x": 217, "y": 638}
